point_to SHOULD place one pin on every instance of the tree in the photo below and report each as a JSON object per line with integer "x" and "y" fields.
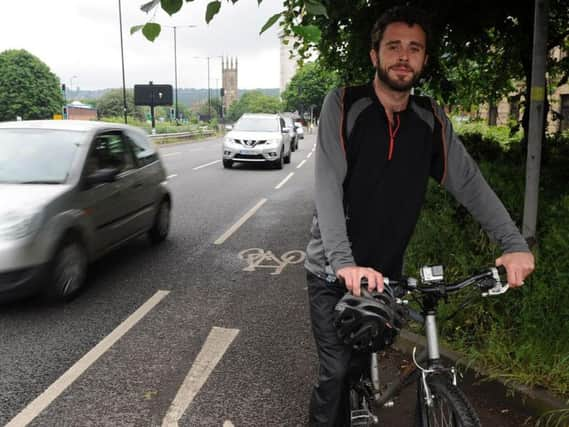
{"x": 253, "y": 102}
{"x": 308, "y": 87}
{"x": 28, "y": 88}
{"x": 111, "y": 104}
{"x": 485, "y": 32}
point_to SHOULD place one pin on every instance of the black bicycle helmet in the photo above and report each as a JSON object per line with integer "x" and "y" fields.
{"x": 369, "y": 322}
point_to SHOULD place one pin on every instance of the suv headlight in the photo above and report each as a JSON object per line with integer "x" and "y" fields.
{"x": 19, "y": 223}
{"x": 273, "y": 142}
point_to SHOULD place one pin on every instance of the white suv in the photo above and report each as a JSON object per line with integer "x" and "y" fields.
{"x": 258, "y": 138}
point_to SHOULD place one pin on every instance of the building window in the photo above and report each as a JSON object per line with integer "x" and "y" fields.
{"x": 515, "y": 108}
{"x": 564, "y": 112}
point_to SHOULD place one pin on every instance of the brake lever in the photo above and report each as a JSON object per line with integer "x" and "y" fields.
{"x": 498, "y": 288}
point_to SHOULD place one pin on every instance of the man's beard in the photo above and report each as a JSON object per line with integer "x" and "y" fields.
{"x": 396, "y": 85}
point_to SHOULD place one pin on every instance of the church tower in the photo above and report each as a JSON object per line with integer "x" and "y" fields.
{"x": 229, "y": 78}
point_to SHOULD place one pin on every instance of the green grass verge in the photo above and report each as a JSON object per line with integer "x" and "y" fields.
{"x": 522, "y": 336}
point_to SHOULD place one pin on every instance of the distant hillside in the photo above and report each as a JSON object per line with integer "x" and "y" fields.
{"x": 185, "y": 96}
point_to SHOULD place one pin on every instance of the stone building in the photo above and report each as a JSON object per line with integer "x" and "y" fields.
{"x": 510, "y": 109}
{"x": 288, "y": 65}
{"x": 229, "y": 81}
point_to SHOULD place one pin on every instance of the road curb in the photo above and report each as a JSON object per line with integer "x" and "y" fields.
{"x": 537, "y": 400}
{"x": 186, "y": 141}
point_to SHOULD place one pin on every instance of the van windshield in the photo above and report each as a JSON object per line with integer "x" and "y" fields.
{"x": 257, "y": 124}
{"x": 37, "y": 156}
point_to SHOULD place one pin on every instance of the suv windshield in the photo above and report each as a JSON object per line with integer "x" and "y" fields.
{"x": 37, "y": 156}
{"x": 257, "y": 124}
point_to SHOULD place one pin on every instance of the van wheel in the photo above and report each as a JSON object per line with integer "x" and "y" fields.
{"x": 161, "y": 226}
{"x": 287, "y": 158}
{"x": 67, "y": 271}
{"x": 278, "y": 164}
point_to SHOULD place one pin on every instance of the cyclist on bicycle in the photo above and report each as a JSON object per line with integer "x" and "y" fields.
{"x": 377, "y": 147}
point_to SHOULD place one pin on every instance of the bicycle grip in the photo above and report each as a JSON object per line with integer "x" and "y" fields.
{"x": 501, "y": 270}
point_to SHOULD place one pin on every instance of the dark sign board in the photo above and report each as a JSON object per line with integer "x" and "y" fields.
{"x": 153, "y": 95}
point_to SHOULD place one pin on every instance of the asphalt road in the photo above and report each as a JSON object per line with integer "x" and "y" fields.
{"x": 209, "y": 329}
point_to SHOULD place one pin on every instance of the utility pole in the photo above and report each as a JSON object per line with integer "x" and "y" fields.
{"x": 208, "y": 91}
{"x": 122, "y": 60}
{"x": 175, "y": 76}
{"x": 536, "y": 117}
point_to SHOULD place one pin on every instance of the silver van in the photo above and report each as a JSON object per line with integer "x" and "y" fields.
{"x": 257, "y": 138}
{"x": 69, "y": 192}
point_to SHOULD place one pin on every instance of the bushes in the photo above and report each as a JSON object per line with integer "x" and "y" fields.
{"x": 522, "y": 335}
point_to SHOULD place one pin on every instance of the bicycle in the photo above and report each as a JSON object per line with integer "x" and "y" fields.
{"x": 440, "y": 401}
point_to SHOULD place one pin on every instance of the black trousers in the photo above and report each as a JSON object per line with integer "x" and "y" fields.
{"x": 329, "y": 401}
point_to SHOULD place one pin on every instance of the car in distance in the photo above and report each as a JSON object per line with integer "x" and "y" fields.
{"x": 292, "y": 132}
{"x": 299, "y": 130}
{"x": 258, "y": 138}
{"x": 71, "y": 191}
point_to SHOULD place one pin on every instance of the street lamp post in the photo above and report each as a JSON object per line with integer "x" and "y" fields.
{"x": 122, "y": 61}
{"x": 208, "y": 85}
{"x": 175, "y": 27}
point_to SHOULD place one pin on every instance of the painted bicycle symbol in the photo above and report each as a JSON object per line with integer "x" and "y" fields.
{"x": 258, "y": 258}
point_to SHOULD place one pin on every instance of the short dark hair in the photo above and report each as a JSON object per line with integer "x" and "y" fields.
{"x": 408, "y": 14}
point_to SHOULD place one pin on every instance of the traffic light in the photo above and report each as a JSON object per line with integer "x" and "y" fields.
{"x": 63, "y": 87}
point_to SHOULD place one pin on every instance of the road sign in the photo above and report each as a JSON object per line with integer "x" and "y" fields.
{"x": 153, "y": 94}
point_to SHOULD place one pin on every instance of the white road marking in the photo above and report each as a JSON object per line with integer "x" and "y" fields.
{"x": 175, "y": 153}
{"x": 239, "y": 223}
{"x": 283, "y": 182}
{"x": 301, "y": 163}
{"x": 172, "y": 176}
{"x": 48, "y": 396}
{"x": 309, "y": 154}
{"x": 216, "y": 344}
{"x": 207, "y": 164}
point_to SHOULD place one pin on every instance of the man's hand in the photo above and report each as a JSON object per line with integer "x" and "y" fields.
{"x": 518, "y": 265}
{"x": 352, "y": 276}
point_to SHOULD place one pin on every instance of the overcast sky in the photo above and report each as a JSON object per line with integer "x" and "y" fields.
{"x": 81, "y": 38}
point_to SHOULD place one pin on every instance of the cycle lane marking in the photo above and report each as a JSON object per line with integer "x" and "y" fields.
{"x": 283, "y": 182}
{"x": 215, "y": 346}
{"x": 207, "y": 164}
{"x": 239, "y": 222}
{"x": 41, "y": 402}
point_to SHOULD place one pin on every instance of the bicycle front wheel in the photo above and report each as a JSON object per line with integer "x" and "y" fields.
{"x": 449, "y": 406}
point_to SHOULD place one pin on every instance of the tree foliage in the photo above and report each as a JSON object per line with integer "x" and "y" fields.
{"x": 111, "y": 104}
{"x": 253, "y": 102}
{"x": 28, "y": 88}
{"x": 479, "y": 47}
{"x": 308, "y": 87}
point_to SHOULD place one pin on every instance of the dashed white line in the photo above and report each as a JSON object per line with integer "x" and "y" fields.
{"x": 175, "y": 153}
{"x": 216, "y": 344}
{"x": 301, "y": 163}
{"x": 44, "y": 400}
{"x": 309, "y": 154}
{"x": 172, "y": 176}
{"x": 239, "y": 223}
{"x": 207, "y": 164}
{"x": 283, "y": 182}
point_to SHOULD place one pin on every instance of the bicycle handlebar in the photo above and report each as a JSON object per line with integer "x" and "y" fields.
{"x": 489, "y": 281}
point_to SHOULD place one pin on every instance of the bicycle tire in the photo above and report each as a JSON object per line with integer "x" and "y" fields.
{"x": 450, "y": 406}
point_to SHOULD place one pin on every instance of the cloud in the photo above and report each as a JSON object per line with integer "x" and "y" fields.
{"x": 82, "y": 38}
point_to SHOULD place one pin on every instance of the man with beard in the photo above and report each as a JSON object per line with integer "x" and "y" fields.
{"x": 377, "y": 147}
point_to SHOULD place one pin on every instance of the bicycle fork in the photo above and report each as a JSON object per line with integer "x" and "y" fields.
{"x": 433, "y": 356}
